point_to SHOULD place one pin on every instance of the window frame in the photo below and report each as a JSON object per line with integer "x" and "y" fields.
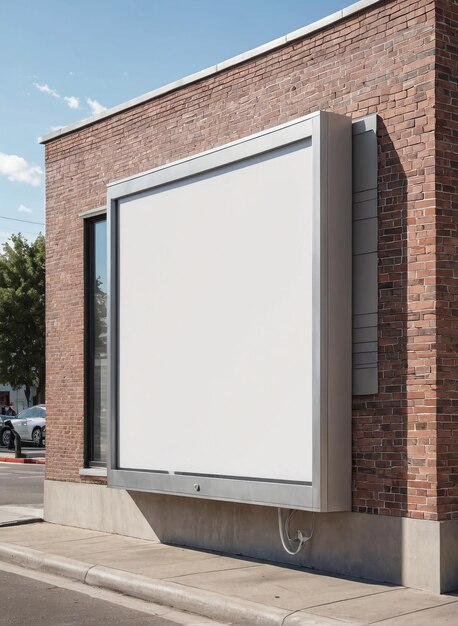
{"x": 91, "y": 219}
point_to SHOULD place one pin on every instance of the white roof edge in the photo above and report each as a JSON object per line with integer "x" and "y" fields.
{"x": 214, "y": 69}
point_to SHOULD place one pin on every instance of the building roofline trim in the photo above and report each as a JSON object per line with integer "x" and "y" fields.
{"x": 214, "y": 69}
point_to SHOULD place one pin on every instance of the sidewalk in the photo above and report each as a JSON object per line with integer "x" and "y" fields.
{"x": 15, "y": 515}
{"x": 228, "y": 589}
{"x": 31, "y": 456}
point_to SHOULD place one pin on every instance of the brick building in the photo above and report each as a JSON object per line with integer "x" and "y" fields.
{"x": 397, "y": 60}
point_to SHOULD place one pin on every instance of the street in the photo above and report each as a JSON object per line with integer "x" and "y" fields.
{"x": 28, "y": 602}
{"x": 21, "y": 484}
{"x": 29, "y": 598}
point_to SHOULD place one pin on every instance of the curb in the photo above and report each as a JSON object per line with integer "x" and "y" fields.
{"x": 35, "y": 559}
{"x": 32, "y": 461}
{"x": 21, "y": 522}
{"x": 198, "y": 601}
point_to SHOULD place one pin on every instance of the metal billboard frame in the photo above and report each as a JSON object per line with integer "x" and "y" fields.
{"x": 330, "y": 489}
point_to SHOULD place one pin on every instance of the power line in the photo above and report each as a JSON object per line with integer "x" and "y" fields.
{"x": 16, "y": 219}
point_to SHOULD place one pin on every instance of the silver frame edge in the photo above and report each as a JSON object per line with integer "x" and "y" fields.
{"x": 312, "y": 497}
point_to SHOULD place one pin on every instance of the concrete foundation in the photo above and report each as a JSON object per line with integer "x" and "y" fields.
{"x": 415, "y": 553}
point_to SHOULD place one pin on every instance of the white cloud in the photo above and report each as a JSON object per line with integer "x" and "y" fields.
{"x": 47, "y": 89}
{"x": 95, "y": 106}
{"x": 17, "y": 169}
{"x": 24, "y": 209}
{"x": 72, "y": 102}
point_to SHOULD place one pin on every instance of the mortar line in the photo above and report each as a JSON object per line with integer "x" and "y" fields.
{"x": 87, "y": 572}
{"x": 428, "y": 608}
{"x": 299, "y": 610}
{"x": 212, "y": 571}
{"x": 50, "y": 541}
{"x": 367, "y": 595}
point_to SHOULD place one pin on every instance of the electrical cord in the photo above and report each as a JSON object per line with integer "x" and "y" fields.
{"x": 283, "y": 527}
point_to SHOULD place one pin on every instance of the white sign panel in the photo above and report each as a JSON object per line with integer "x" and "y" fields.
{"x": 215, "y": 343}
{"x": 220, "y": 300}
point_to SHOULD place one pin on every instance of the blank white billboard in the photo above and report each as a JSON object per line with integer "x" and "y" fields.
{"x": 230, "y": 326}
{"x": 215, "y": 289}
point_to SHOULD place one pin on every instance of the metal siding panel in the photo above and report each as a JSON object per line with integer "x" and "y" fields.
{"x": 360, "y": 335}
{"x": 364, "y": 359}
{"x": 367, "y": 379}
{"x": 364, "y": 172}
{"x": 364, "y": 279}
{"x": 364, "y": 320}
{"x": 365, "y": 257}
{"x": 365, "y": 236}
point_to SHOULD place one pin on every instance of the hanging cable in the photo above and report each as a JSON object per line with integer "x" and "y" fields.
{"x": 16, "y": 219}
{"x": 283, "y": 527}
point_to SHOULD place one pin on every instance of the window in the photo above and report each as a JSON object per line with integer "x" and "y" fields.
{"x": 34, "y": 411}
{"x": 96, "y": 341}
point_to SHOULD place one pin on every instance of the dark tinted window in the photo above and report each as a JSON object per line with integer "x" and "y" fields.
{"x": 96, "y": 341}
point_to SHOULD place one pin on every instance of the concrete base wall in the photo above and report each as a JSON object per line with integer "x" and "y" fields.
{"x": 416, "y": 553}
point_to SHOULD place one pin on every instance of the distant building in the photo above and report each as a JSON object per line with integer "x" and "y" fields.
{"x": 15, "y": 396}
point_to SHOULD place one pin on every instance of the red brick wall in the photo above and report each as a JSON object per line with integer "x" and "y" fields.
{"x": 447, "y": 258}
{"x": 378, "y": 61}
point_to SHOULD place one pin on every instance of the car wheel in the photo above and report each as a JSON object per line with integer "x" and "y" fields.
{"x": 37, "y": 437}
{"x": 5, "y": 437}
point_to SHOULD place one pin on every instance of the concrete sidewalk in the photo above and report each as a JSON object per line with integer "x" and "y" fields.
{"x": 37, "y": 456}
{"x": 15, "y": 515}
{"x": 228, "y": 589}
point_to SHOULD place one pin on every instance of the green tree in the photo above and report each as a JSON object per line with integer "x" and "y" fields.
{"x": 22, "y": 314}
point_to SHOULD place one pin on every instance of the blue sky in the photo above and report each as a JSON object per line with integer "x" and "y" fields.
{"x": 62, "y": 60}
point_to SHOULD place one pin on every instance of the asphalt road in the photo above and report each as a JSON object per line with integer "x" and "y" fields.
{"x": 21, "y": 484}
{"x": 28, "y": 602}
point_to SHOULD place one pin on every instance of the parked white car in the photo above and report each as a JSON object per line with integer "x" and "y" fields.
{"x": 29, "y": 424}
